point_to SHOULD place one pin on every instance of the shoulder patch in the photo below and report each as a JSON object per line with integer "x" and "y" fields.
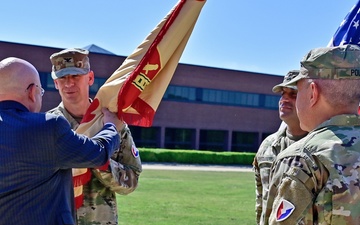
{"x": 284, "y": 210}
{"x": 135, "y": 151}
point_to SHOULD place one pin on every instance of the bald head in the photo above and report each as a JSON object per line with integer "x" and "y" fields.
{"x": 16, "y": 75}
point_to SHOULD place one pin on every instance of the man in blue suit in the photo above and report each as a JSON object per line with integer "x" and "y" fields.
{"x": 37, "y": 151}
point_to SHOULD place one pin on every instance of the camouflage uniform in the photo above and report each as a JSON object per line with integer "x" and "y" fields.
{"x": 99, "y": 205}
{"x": 268, "y": 150}
{"x": 319, "y": 175}
{"x": 316, "y": 180}
{"x": 121, "y": 177}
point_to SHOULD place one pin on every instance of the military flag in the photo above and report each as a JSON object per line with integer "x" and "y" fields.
{"x": 349, "y": 30}
{"x": 136, "y": 88}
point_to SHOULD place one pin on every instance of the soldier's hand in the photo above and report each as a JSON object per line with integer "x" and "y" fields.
{"x": 110, "y": 117}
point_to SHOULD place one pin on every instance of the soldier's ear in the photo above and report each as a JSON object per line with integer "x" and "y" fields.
{"x": 56, "y": 85}
{"x": 91, "y": 78}
{"x": 314, "y": 93}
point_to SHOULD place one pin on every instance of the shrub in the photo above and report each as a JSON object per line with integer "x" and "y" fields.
{"x": 195, "y": 157}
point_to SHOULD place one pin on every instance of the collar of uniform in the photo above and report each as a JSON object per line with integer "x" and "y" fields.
{"x": 341, "y": 120}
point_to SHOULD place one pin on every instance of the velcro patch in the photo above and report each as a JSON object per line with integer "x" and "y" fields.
{"x": 284, "y": 210}
{"x": 135, "y": 151}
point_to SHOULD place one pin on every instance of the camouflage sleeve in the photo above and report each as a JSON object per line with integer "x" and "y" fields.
{"x": 290, "y": 196}
{"x": 125, "y": 166}
{"x": 258, "y": 190}
{"x": 261, "y": 166}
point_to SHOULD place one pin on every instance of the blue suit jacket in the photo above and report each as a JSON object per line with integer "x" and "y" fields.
{"x": 37, "y": 152}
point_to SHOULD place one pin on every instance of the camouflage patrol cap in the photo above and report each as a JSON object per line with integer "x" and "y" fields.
{"x": 340, "y": 62}
{"x": 287, "y": 78}
{"x": 71, "y": 61}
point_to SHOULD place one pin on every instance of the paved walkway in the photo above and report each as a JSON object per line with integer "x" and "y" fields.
{"x": 175, "y": 166}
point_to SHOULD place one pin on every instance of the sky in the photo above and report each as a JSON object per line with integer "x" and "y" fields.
{"x": 260, "y": 36}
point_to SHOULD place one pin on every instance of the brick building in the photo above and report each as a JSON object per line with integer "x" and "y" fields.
{"x": 204, "y": 108}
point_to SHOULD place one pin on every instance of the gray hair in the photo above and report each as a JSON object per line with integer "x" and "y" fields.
{"x": 339, "y": 93}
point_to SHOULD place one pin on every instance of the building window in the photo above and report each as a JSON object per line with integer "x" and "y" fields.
{"x": 264, "y": 135}
{"x": 247, "y": 99}
{"x": 213, "y": 140}
{"x": 244, "y": 142}
{"x": 180, "y": 93}
{"x": 176, "y": 138}
{"x": 46, "y": 81}
{"x": 272, "y": 101}
{"x": 220, "y": 97}
{"x": 146, "y": 137}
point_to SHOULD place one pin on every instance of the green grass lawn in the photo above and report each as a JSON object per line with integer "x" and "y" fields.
{"x": 190, "y": 197}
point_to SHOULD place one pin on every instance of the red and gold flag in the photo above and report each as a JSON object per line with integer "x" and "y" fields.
{"x": 136, "y": 88}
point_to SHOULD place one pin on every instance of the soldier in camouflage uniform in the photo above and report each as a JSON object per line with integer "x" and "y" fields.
{"x": 316, "y": 180}
{"x": 287, "y": 134}
{"x": 73, "y": 77}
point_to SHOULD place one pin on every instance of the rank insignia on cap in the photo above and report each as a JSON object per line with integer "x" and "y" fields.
{"x": 284, "y": 210}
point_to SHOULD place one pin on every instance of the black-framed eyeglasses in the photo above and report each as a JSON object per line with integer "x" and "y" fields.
{"x": 42, "y": 91}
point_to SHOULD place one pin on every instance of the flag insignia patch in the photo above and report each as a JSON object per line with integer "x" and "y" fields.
{"x": 135, "y": 151}
{"x": 284, "y": 210}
